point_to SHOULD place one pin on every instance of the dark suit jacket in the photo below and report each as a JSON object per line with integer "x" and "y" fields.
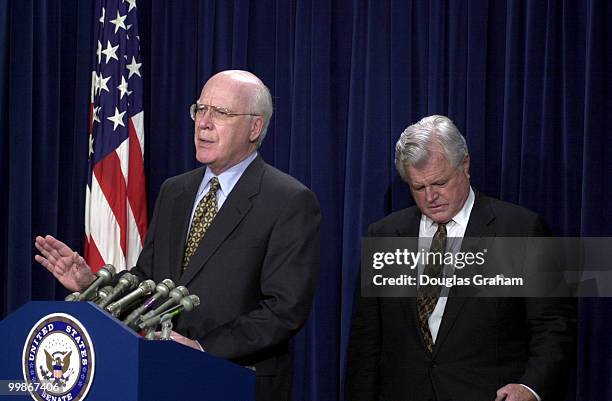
{"x": 255, "y": 270}
{"x": 483, "y": 343}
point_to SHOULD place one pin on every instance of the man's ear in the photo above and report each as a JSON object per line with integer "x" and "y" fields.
{"x": 256, "y": 128}
{"x": 466, "y": 165}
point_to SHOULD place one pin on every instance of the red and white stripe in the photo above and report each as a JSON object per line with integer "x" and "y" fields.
{"x": 115, "y": 208}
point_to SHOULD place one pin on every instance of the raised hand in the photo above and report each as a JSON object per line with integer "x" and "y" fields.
{"x": 65, "y": 264}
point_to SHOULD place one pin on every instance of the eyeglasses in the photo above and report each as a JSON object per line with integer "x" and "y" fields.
{"x": 217, "y": 114}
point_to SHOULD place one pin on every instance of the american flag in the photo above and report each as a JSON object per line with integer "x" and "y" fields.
{"x": 115, "y": 210}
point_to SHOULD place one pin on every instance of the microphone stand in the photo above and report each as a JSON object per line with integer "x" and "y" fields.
{"x": 166, "y": 323}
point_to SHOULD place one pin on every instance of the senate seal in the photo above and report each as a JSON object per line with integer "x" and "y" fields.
{"x": 58, "y": 355}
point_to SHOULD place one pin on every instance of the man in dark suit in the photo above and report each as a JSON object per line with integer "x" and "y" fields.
{"x": 457, "y": 348}
{"x": 239, "y": 233}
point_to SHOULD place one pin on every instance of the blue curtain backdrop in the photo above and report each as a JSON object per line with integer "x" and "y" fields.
{"x": 528, "y": 83}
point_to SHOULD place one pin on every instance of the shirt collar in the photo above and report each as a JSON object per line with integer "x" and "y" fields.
{"x": 228, "y": 178}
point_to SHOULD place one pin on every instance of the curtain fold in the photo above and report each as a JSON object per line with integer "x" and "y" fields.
{"x": 528, "y": 83}
{"x": 44, "y": 82}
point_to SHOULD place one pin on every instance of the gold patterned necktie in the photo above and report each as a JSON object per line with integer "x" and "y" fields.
{"x": 202, "y": 218}
{"x": 427, "y": 296}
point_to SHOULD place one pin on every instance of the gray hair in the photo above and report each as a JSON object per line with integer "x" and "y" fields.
{"x": 260, "y": 98}
{"x": 414, "y": 144}
{"x": 262, "y": 105}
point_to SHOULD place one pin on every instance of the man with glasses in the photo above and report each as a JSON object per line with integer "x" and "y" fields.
{"x": 237, "y": 232}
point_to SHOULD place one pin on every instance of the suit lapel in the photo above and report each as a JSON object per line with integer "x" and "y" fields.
{"x": 478, "y": 226}
{"x": 410, "y": 226}
{"x": 480, "y": 218}
{"x": 181, "y": 215}
{"x": 234, "y": 209}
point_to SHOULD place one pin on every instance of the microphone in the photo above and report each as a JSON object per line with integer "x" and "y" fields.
{"x": 72, "y": 297}
{"x": 104, "y": 291}
{"x": 175, "y": 297}
{"x": 126, "y": 283}
{"x": 188, "y": 303}
{"x": 161, "y": 291}
{"x": 144, "y": 288}
{"x": 105, "y": 275}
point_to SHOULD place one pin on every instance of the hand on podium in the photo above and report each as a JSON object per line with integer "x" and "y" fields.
{"x": 65, "y": 264}
{"x": 174, "y": 336}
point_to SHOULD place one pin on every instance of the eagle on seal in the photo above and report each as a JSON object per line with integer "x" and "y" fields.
{"x": 58, "y": 363}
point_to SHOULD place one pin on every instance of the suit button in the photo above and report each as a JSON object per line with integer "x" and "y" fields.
{"x": 433, "y": 365}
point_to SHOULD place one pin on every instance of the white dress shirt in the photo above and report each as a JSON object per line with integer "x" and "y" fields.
{"x": 455, "y": 231}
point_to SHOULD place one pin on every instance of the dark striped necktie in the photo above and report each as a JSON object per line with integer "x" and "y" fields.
{"x": 427, "y": 296}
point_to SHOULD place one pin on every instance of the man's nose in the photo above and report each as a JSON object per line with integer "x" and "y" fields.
{"x": 204, "y": 120}
{"x": 430, "y": 194}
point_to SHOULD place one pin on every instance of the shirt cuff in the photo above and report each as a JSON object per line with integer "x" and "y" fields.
{"x": 532, "y": 392}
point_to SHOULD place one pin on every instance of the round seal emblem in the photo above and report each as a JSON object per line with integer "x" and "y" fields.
{"x": 58, "y": 356}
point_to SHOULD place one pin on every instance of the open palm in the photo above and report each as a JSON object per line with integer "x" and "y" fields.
{"x": 65, "y": 264}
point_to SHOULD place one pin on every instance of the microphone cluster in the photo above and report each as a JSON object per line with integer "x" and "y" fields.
{"x": 140, "y": 305}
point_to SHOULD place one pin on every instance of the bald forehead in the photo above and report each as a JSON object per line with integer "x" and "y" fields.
{"x": 230, "y": 89}
{"x": 238, "y": 79}
{"x": 240, "y": 76}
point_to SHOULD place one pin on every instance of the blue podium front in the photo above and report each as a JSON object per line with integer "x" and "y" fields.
{"x": 75, "y": 351}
